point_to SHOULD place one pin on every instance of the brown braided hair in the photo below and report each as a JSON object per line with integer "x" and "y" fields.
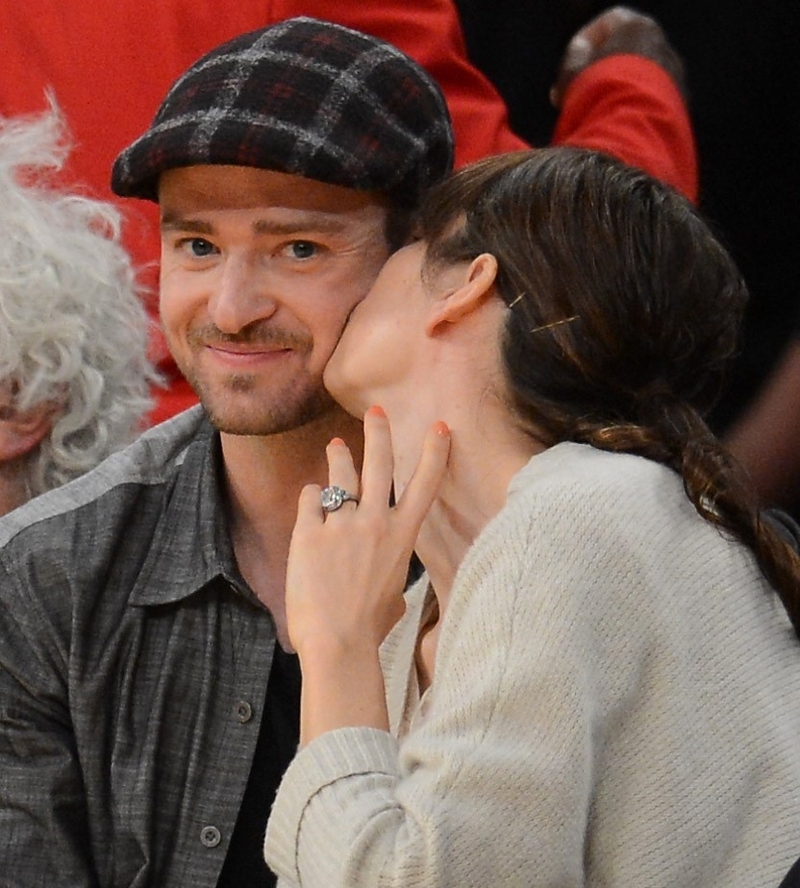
{"x": 624, "y": 316}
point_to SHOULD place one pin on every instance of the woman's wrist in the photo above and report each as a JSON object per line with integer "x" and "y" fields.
{"x": 342, "y": 687}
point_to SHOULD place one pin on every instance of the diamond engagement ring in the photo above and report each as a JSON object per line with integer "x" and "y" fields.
{"x": 333, "y": 498}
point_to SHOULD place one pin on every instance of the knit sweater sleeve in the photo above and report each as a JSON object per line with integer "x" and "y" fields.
{"x": 493, "y": 784}
{"x": 615, "y": 700}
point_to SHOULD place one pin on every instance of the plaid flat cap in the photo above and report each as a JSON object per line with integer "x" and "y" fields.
{"x": 306, "y": 97}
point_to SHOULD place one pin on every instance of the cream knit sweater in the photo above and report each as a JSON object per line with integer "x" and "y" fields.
{"x": 616, "y": 703}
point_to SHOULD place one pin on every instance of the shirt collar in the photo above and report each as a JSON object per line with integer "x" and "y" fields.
{"x": 191, "y": 545}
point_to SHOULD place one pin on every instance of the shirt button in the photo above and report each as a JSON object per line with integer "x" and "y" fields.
{"x": 244, "y": 711}
{"x": 210, "y": 836}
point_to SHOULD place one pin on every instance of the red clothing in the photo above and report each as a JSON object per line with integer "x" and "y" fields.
{"x": 629, "y": 106}
{"x": 110, "y": 65}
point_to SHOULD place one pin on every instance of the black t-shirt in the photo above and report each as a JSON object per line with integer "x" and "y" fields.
{"x": 278, "y": 737}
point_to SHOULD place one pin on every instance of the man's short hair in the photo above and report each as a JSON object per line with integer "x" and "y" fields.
{"x": 306, "y": 97}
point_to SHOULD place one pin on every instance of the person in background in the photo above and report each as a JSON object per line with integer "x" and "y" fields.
{"x": 94, "y": 56}
{"x": 74, "y": 373}
{"x": 597, "y": 680}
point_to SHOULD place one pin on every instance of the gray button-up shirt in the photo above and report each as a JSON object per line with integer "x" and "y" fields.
{"x": 133, "y": 668}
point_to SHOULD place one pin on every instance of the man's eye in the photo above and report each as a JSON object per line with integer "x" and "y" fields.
{"x": 198, "y": 246}
{"x": 302, "y": 249}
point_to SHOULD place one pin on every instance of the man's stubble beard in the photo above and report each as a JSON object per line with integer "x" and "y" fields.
{"x": 278, "y": 411}
{"x": 288, "y": 411}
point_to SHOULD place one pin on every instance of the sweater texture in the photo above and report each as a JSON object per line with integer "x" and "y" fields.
{"x": 616, "y": 702}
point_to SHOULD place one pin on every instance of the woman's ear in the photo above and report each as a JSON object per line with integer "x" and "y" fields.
{"x": 464, "y": 295}
{"x": 22, "y": 431}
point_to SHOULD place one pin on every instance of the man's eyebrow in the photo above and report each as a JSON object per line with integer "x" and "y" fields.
{"x": 170, "y": 222}
{"x": 324, "y": 223}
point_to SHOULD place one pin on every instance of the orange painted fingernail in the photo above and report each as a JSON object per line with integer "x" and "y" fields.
{"x": 441, "y": 428}
{"x": 376, "y": 410}
{"x": 336, "y": 441}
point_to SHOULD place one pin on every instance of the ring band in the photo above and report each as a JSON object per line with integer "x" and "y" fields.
{"x": 333, "y": 498}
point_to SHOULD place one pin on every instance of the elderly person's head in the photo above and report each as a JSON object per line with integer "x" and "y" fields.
{"x": 74, "y": 373}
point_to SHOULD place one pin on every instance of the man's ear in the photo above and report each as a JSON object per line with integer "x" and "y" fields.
{"x": 471, "y": 289}
{"x": 22, "y": 431}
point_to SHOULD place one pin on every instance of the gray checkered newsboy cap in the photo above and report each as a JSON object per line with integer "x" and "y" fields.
{"x": 306, "y": 97}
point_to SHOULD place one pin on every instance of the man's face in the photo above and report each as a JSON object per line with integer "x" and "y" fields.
{"x": 259, "y": 271}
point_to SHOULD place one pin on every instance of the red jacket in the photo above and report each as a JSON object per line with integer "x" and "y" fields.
{"x": 109, "y": 65}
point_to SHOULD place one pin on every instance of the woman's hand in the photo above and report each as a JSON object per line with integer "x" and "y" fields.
{"x": 347, "y": 568}
{"x": 346, "y": 575}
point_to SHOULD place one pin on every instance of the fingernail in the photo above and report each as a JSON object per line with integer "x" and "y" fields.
{"x": 336, "y": 441}
{"x": 376, "y": 410}
{"x": 441, "y": 428}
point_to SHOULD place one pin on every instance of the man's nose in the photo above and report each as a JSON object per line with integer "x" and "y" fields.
{"x": 241, "y": 296}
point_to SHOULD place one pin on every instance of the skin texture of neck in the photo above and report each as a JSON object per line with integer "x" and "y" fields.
{"x": 457, "y": 376}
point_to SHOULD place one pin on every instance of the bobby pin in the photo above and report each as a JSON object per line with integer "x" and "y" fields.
{"x": 555, "y": 324}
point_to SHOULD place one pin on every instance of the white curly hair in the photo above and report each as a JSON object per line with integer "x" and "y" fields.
{"x": 73, "y": 330}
